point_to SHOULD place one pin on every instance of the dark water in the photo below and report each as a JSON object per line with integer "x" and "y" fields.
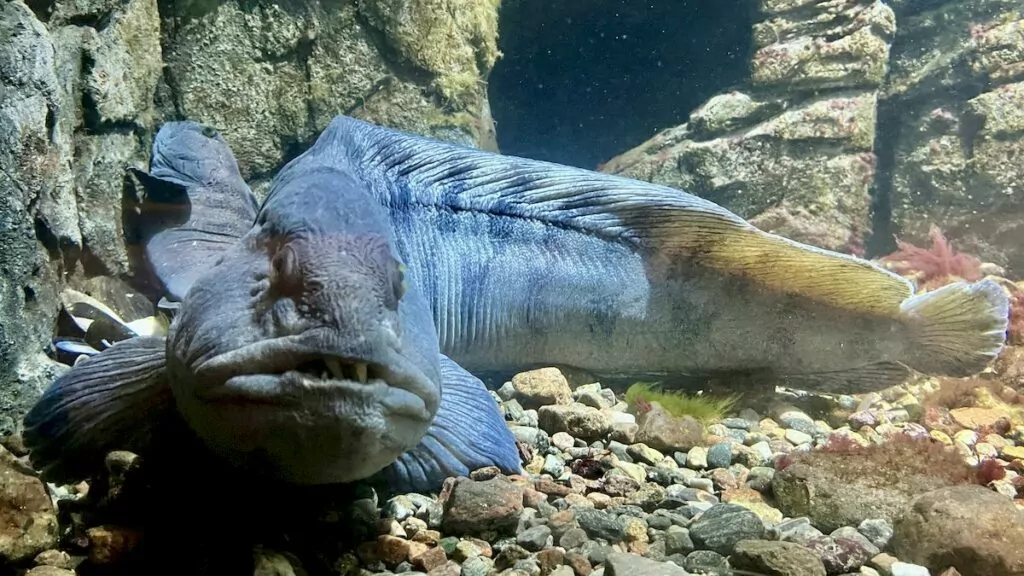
{"x": 581, "y": 82}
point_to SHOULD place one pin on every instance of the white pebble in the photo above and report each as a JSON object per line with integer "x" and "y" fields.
{"x": 907, "y": 569}
{"x": 797, "y": 437}
{"x": 697, "y": 458}
{"x": 968, "y": 437}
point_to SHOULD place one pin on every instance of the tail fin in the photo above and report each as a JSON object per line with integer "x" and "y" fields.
{"x": 956, "y": 330}
{"x": 117, "y": 399}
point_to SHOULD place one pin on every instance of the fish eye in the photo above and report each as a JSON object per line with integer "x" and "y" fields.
{"x": 398, "y": 286}
{"x": 285, "y": 270}
{"x": 209, "y": 132}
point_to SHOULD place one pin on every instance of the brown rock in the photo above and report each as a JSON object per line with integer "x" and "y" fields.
{"x": 429, "y": 559}
{"x": 549, "y": 559}
{"x": 484, "y": 547}
{"x": 723, "y": 479}
{"x": 431, "y": 537}
{"x": 449, "y": 568}
{"x": 392, "y": 550}
{"x": 485, "y": 473}
{"x": 110, "y": 544}
{"x": 541, "y": 387}
{"x": 776, "y": 558}
{"x": 842, "y": 488}
{"x": 579, "y": 563}
{"x": 28, "y": 524}
{"x": 667, "y": 433}
{"x": 57, "y": 558}
{"x": 533, "y": 498}
{"x": 976, "y": 418}
{"x": 583, "y": 422}
{"x": 968, "y": 527}
{"x": 472, "y": 507}
{"x": 552, "y": 488}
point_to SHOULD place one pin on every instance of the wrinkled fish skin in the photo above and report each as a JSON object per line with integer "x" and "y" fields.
{"x": 528, "y": 263}
{"x": 297, "y": 351}
{"x": 260, "y": 359}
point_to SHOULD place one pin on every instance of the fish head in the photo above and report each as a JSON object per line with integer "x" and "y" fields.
{"x": 192, "y": 153}
{"x": 303, "y": 352}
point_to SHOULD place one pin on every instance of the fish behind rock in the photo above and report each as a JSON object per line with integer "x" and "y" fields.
{"x": 298, "y": 350}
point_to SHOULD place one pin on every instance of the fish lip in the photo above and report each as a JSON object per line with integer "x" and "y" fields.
{"x": 252, "y": 374}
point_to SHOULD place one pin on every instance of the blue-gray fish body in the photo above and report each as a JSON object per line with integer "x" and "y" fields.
{"x": 298, "y": 349}
{"x": 529, "y": 263}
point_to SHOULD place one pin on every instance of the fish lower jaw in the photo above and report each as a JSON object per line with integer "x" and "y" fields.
{"x": 326, "y": 439}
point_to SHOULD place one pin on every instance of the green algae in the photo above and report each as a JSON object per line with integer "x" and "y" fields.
{"x": 705, "y": 409}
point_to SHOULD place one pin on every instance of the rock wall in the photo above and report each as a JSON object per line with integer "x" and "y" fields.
{"x": 793, "y": 149}
{"x": 847, "y": 129}
{"x": 954, "y": 117}
{"x": 85, "y": 83}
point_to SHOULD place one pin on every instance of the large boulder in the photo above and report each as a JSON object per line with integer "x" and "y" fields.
{"x": 271, "y": 75}
{"x": 793, "y": 150}
{"x": 951, "y": 117}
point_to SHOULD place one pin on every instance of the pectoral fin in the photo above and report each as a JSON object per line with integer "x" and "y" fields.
{"x": 468, "y": 433}
{"x": 116, "y": 400}
{"x": 196, "y": 205}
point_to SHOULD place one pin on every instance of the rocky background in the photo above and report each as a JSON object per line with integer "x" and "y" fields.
{"x": 862, "y": 119}
{"x": 84, "y": 84}
{"x": 859, "y": 120}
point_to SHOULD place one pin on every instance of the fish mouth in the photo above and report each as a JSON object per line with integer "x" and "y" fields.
{"x": 335, "y": 368}
{"x": 288, "y": 371}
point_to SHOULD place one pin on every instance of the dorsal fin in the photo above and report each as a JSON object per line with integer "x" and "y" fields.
{"x": 417, "y": 171}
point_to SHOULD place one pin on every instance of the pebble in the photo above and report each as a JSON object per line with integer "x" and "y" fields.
{"x": 797, "y": 437}
{"x": 1013, "y": 452}
{"x": 534, "y": 539}
{"x": 782, "y": 558}
{"x": 697, "y": 458}
{"x": 878, "y": 531}
{"x": 907, "y": 569}
{"x": 723, "y": 525}
{"x": 737, "y": 423}
{"x": 719, "y": 455}
{"x": 562, "y": 441}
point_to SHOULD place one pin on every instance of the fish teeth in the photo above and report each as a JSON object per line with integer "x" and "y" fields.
{"x": 334, "y": 365}
{"x": 361, "y": 372}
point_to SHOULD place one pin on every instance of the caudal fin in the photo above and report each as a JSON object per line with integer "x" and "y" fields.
{"x": 957, "y": 329}
{"x": 115, "y": 400}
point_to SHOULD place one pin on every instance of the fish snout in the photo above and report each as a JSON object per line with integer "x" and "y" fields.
{"x": 318, "y": 411}
{"x": 308, "y": 366}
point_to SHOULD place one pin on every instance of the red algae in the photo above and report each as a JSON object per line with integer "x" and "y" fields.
{"x": 935, "y": 266}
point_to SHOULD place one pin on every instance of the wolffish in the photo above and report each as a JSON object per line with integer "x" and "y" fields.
{"x": 527, "y": 263}
{"x": 298, "y": 349}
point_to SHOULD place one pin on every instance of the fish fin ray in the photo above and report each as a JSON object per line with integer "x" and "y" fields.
{"x": 468, "y": 432}
{"x": 859, "y": 380}
{"x": 414, "y": 170}
{"x": 191, "y": 215}
{"x": 114, "y": 400}
{"x": 957, "y": 329}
